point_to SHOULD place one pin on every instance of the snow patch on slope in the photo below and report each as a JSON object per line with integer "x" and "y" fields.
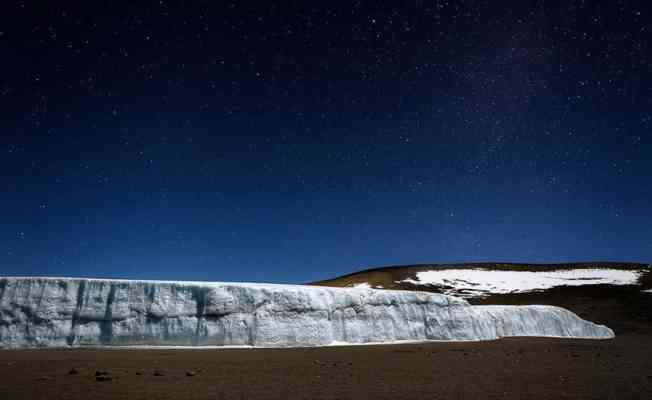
{"x": 61, "y": 312}
{"x": 364, "y": 285}
{"x": 483, "y": 282}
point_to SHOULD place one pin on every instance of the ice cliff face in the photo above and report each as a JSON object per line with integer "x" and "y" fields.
{"x": 60, "y": 312}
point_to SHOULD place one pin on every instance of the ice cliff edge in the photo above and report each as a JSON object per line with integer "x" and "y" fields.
{"x": 62, "y": 312}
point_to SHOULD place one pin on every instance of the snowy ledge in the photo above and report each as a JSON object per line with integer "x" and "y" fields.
{"x": 71, "y": 312}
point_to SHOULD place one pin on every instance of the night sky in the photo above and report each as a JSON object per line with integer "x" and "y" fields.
{"x": 261, "y": 142}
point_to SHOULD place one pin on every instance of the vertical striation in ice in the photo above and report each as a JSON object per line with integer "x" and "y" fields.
{"x": 61, "y": 312}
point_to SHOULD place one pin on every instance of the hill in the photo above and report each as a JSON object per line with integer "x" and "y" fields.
{"x": 473, "y": 279}
{"x": 611, "y": 293}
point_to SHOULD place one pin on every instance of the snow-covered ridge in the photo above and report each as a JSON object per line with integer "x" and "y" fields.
{"x": 60, "y": 312}
{"x": 482, "y": 282}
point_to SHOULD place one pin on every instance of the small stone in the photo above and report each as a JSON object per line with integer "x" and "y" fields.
{"x": 44, "y": 378}
{"x": 103, "y": 378}
{"x": 101, "y": 373}
{"x": 191, "y": 373}
{"x": 158, "y": 373}
{"x": 138, "y": 373}
{"x": 73, "y": 371}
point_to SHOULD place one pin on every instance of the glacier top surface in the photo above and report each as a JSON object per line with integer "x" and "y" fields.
{"x": 256, "y": 285}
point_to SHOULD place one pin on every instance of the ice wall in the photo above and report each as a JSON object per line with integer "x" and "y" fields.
{"x": 60, "y": 312}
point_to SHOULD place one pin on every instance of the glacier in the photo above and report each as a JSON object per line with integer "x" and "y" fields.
{"x": 77, "y": 312}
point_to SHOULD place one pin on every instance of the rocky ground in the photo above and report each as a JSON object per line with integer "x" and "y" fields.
{"x": 505, "y": 369}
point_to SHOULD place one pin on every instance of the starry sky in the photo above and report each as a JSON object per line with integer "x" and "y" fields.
{"x": 262, "y": 141}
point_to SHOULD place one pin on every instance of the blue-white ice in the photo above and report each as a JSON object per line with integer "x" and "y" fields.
{"x": 61, "y": 312}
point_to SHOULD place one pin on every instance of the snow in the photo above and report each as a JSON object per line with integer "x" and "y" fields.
{"x": 363, "y": 285}
{"x": 71, "y": 312}
{"x": 482, "y": 282}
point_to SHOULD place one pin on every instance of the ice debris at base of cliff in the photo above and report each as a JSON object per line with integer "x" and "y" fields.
{"x": 62, "y": 312}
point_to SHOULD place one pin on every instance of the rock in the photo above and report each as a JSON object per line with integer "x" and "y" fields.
{"x": 73, "y": 371}
{"x": 158, "y": 373}
{"x": 191, "y": 373}
{"x": 101, "y": 373}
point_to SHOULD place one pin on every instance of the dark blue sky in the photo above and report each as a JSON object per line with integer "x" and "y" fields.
{"x": 262, "y": 142}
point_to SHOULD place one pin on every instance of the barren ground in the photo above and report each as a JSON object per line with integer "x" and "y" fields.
{"x": 505, "y": 369}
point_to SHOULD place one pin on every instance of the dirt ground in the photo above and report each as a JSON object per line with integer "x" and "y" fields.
{"x": 517, "y": 368}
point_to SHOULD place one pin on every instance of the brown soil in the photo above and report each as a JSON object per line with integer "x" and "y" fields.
{"x": 505, "y": 369}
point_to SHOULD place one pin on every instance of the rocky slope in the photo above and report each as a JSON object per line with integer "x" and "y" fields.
{"x": 480, "y": 280}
